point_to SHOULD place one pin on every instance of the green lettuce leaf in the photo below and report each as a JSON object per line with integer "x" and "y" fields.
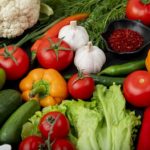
{"x": 104, "y": 123}
{"x": 118, "y": 123}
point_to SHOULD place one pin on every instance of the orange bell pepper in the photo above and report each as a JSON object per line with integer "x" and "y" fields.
{"x": 147, "y": 61}
{"x": 44, "y": 85}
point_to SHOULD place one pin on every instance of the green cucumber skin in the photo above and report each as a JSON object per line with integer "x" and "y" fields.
{"x": 10, "y": 100}
{"x": 107, "y": 81}
{"x": 10, "y": 132}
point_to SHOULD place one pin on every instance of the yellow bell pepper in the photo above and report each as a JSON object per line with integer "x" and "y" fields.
{"x": 44, "y": 85}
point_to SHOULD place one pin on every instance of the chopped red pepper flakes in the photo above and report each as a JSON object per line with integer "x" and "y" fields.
{"x": 125, "y": 40}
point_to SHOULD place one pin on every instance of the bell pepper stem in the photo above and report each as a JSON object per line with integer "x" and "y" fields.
{"x": 37, "y": 90}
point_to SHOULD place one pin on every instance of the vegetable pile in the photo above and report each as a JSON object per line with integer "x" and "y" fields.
{"x": 95, "y": 125}
{"x": 59, "y": 86}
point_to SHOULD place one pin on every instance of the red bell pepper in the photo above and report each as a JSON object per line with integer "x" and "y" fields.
{"x": 144, "y": 137}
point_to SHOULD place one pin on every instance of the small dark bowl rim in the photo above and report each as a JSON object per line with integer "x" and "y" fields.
{"x": 128, "y": 20}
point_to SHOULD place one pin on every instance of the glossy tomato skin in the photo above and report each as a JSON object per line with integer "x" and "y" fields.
{"x": 136, "y": 10}
{"x": 81, "y": 88}
{"x": 14, "y": 70}
{"x": 60, "y": 127}
{"x": 136, "y": 88}
{"x": 31, "y": 143}
{"x": 62, "y": 144}
{"x": 47, "y": 56}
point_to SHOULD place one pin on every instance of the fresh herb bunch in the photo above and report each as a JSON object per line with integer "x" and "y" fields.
{"x": 101, "y": 13}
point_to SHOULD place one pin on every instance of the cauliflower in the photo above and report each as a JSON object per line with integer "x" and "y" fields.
{"x": 17, "y": 15}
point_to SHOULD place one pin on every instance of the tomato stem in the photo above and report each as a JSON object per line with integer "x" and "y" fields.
{"x": 8, "y": 54}
{"x": 56, "y": 46}
{"x": 81, "y": 75}
{"x": 145, "y": 1}
{"x": 52, "y": 122}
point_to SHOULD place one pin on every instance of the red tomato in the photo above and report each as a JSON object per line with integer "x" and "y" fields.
{"x": 62, "y": 144}
{"x": 136, "y": 10}
{"x": 31, "y": 143}
{"x": 54, "y": 123}
{"x": 14, "y": 61}
{"x": 81, "y": 88}
{"x": 50, "y": 54}
{"x": 136, "y": 88}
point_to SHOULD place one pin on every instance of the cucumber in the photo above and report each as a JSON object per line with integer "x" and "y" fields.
{"x": 10, "y": 132}
{"x": 10, "y": 100}
{"x": 107, "y": 81}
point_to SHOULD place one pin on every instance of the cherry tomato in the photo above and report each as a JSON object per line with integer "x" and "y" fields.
{"x": 81, "y": 88}
{"x": 136, "y": 88}
{"x": 54, "y": 53}
{"x": 54, "y": 123}
{"x": 14, "y": 61}
{"x": 31, "y": 143}
{"x": 62, "y": 144}
{"x": 137, "y": 10}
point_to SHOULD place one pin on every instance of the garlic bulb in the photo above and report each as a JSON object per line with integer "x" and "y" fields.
{"x": 89, "y": 59}
{"x": 75, "y": 36}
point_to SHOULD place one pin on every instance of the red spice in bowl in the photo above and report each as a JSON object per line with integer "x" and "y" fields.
{"x": 125, "y": 40}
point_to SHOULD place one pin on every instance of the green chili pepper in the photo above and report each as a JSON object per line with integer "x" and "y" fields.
{"x": 123, "y": 69}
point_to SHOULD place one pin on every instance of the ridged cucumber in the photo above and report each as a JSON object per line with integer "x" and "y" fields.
{"x": 10, "y": 132}
{"x": 10, "y": 100}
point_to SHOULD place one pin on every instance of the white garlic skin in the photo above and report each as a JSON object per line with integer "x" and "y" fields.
{"x": 75, "y": 36}
{"x": 89, "y": 59}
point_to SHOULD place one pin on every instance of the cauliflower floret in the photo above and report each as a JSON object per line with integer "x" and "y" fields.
{"x": 17, "y": 15}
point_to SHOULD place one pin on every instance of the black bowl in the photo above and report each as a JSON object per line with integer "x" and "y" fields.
{"x": 137, "y": 26}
